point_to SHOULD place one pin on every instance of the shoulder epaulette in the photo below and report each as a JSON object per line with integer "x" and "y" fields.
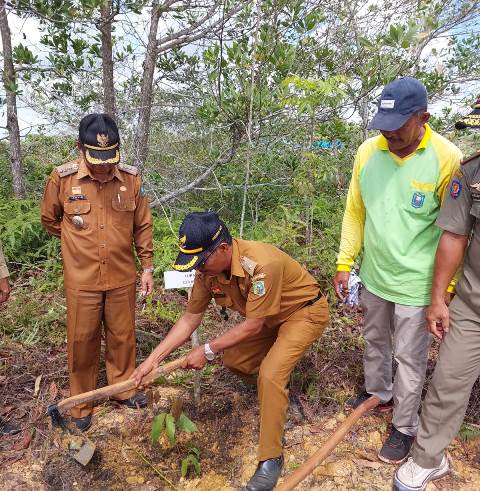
{"x": 67, "y": 169}
{"x": 130, "y": 169}
{"x": 248, "y": 265}
{"x": 472, "y": 157}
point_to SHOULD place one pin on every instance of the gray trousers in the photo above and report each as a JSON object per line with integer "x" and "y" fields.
{"x": 400, "y": 330}
{"x": 457, "y": 369}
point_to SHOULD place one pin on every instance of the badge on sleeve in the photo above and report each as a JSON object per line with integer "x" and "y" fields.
{"x": 258, "y": 288}
{"x": 455, "y": 188}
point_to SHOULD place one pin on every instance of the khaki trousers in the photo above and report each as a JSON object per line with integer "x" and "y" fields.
{"x": 457, "y": 369}
{"x": 401, "y": 330}
{"x": 273, "y": 354}
{"x": 86, "y": 311}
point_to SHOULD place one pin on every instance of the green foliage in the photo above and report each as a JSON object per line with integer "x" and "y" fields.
{"x": 165, "y": 423}
{"x": 191, "y": 460}
{"x": 185, "y": 424}
{"x": 29, "y": 318}
{"x": 468, "y": 432}
{"x": 25, "y": 242}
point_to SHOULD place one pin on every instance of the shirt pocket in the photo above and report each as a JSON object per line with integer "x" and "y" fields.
{"x": 421, "y": 198}
{"x": 80, "y": 209}
{"x": 123, "y": 212}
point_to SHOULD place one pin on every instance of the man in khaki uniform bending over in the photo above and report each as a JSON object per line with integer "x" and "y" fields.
{"x": 284, "y": 310}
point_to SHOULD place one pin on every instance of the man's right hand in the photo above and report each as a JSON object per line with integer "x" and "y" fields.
{"x": 143, "y": 369}
{"x": 341, "y": 284}
{"x": 438, "y": 319}
{"x": 4, "y": 289}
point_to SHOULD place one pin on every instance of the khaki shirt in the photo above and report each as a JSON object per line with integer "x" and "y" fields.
{"x": 264, "y": 282}
{"x": 98, "y": 252}
{"x": 3, "y": 265}
{"x": 460, "y": 214}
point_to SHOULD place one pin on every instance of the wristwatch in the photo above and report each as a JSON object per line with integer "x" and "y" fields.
{"x": 209, "y": 354}
{"x": 148, "y": 270}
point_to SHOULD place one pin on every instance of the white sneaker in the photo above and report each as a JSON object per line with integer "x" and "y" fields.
{"x": 411, "y": 477}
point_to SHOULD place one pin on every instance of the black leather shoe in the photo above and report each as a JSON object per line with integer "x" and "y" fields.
{"x": 266, "y": 475}
{"x": 83, "y": 423}
{"x": 7, "y": 428}
{"x": 137, "y": 401}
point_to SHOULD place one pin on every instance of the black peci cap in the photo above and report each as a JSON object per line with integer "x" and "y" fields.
{"x": 399, "y": 100}
{"x": 471, "y": 120}
{"x": 199, "y": 234}
{"x": 98, "y": 133}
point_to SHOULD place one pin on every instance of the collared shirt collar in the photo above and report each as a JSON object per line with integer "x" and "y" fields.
{"x": 235, "y": 266}
{"x": 84, "y": 171}
{"x": 383, "y": 143}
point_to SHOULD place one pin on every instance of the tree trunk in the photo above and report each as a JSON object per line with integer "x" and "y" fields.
{"x": 142, "y": 131}
{"x": 105, "y": 28}
{"x": 12, "y": 118}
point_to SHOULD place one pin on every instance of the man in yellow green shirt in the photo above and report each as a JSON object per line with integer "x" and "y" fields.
{"x": 398, "y": 183}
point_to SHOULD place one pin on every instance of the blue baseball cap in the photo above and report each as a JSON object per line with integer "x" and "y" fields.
{"x": 398, "y": 101}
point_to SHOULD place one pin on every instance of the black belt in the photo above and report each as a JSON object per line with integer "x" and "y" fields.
{"x": 313, "y": 300}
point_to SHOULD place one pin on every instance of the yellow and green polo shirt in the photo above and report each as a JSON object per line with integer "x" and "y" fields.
{"x": 392, "y": 205}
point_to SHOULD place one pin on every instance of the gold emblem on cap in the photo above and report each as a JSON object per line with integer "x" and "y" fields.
{"x": 102, "y": 139}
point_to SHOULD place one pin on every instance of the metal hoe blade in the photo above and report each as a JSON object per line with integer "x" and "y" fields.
{"x": 85, "y": 454}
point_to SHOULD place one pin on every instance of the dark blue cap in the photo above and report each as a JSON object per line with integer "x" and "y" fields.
{"x": 200, "y": 233}
{"x": 98, "y": 133}
{"x": 399, "y": 100}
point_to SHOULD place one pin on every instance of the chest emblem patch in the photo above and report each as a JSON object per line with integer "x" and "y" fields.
{"x": 76, "y": 190}
{"x": 418, "y": 199}
{"x": 455, "y": 188}
{"x": 123, "y": 188}
{"x": 258, "y": 288}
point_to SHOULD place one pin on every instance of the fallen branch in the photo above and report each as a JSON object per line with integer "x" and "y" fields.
{"x": 323, "y": 452}
{"x": 156, "y": 203}
{"x": 158, "y": 472}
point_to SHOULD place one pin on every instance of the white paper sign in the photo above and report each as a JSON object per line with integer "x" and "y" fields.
{"x": 178, "y": 279}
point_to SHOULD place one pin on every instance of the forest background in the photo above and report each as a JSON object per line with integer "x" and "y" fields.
{"x": 252, "y": 109}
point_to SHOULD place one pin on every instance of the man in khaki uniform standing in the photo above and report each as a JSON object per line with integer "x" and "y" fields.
{"x": 5, "y": 428}
{"x": 458, "y": 326}
{"x": 284, "y": 314}
{"x": 98, "y": 208}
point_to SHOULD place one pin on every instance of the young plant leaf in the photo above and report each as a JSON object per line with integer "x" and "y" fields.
{"x": 170, "y": 428}
{"x": 185, "y": 424}
{"x": 158, "y": 424}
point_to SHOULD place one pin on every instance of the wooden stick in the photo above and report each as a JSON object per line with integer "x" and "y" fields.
{"x": 113, "y": 389}
{"x": 323, "y": 452}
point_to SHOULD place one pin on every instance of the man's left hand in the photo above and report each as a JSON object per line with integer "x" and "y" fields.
{"x": 147, "y": 284}
{"x": 196, "y": 358}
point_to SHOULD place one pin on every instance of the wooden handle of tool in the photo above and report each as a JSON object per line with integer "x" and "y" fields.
{"x": 323, "y": 452}
{"x": 110, "y": 390}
